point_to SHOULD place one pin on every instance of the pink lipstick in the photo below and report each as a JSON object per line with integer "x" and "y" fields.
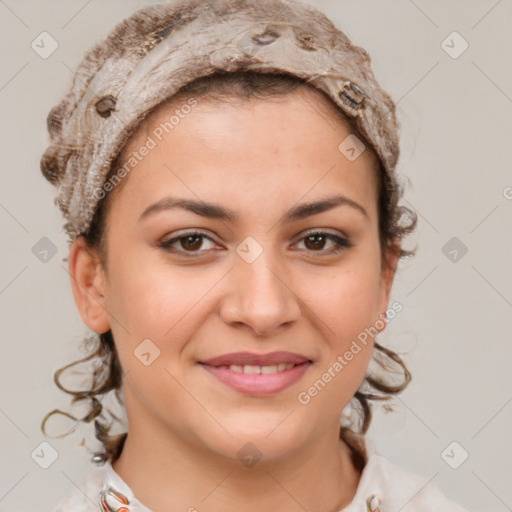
{"x": 258, "y": 374}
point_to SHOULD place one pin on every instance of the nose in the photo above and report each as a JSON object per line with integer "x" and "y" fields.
{"x": 259, "y": 297}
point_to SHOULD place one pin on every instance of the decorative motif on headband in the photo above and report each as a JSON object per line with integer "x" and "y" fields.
{"x": 157, "y": 37}
{"x": 105, "y": 105}
{"x": 267, "y": 37}
{"x": 352, "y": 95}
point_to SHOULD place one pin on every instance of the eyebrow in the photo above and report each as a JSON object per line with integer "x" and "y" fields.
{"x": 215, "y": 211}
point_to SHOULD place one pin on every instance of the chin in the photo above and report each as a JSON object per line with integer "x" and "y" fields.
{"x": 255, "y": 442}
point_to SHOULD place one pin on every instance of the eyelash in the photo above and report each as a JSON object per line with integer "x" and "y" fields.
{"x": 341, "y": 243}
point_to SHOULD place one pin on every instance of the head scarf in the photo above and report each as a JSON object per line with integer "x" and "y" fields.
{"x": 149, "y": 56}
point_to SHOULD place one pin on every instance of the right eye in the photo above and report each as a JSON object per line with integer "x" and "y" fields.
{"x": 190, "y": 242}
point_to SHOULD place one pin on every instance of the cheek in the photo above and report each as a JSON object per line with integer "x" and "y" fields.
{"x": 344, "y": 305}
{"x": 160, "y": 303}
{"x": 346, "y": 300}
{"x": 150, "y": 304}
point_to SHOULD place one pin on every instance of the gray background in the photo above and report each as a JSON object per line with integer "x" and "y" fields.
{"x": 455, "y": 329}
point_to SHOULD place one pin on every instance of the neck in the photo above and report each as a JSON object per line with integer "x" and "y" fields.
{"x": 169, "y": 471}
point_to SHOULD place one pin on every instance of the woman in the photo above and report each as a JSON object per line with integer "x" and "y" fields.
{"x": 227, "y": 172}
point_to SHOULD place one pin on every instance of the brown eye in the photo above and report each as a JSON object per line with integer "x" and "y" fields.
{"x": 316, "y": 242}
{"x": 191, "y": 243}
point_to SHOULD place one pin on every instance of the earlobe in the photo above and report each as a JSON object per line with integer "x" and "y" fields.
{"x": 88, "y": 285}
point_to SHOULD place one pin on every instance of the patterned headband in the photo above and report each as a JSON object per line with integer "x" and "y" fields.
{"x": 149, "y": 56}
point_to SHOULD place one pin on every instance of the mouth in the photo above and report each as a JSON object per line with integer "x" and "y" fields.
{"x": 258, "y": 374}
{"x": 250, "y": 369}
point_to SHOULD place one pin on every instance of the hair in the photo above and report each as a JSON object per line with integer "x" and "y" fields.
{"x": 107, "y": 375}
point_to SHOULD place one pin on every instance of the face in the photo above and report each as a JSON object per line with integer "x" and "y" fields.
{"x": 213, "y": 256}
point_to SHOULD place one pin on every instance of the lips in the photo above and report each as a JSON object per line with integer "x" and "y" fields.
{"x": 258, "y": 374}
{"x": 253, "y": 359}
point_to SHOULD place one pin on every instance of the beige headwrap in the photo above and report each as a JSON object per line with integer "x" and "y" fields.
{"x": 149, "y": 56}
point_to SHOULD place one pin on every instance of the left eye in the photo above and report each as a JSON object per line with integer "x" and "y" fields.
{"x": 313, "y": 241}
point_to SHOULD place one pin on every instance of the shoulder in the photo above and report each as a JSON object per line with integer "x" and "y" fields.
{"x": 99, "y": 486}
{"x": 395, "y": 488}
{"x": 85, "y": 496}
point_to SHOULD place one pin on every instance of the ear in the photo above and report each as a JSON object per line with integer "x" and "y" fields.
{"x": 88, "y": 283}
{"x": 386, "y": 280}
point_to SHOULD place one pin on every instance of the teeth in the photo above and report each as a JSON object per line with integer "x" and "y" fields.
{"x": 253, "y": 370}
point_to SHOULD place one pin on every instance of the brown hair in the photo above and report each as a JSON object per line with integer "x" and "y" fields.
{"x": 107, "y": 377}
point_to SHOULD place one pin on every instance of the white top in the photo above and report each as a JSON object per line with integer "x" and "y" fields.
{"x": 383, "y": 487}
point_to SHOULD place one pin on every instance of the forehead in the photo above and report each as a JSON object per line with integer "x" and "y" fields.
{"x": 285, "y": 147}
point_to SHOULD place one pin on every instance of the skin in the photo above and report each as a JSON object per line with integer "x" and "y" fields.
{"x": 258, "y": 158}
